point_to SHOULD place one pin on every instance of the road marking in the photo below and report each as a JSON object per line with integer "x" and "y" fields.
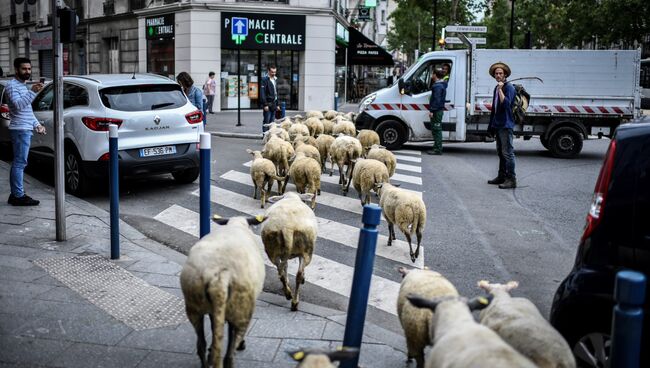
{"x": 406, "y": 167}
{"x": 409, "y": 152}
{"x": 327, "y": 229}
{"x": 322, "y": 272}
{"x": 408, "y": 158}
{"x": 349, "y": 204}
{"x": 406, "y": 179}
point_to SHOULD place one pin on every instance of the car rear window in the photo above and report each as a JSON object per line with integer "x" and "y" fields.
{"x": 143, "y": 97}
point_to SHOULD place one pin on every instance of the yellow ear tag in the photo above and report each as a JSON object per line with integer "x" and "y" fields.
{"x": 259, "y": 218}
{"x": 216, "y": 217}
{"x": 483, "y": 300}
{"x": 298, "y": 355}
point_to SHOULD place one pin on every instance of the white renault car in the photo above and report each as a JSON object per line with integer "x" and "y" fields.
{"x": 158, "y": 127}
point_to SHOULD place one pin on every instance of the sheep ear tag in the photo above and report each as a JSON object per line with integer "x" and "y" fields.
{"x": 479, "y": 303}
{"x": 255, "y": 220}
{"x": 219, "y": 220}
{"x": 297, "y": 355}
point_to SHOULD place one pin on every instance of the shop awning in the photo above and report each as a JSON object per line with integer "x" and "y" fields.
{"x": 363, "y": 51}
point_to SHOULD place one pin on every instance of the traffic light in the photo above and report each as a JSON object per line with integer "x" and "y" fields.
{"x": 68, "y": 25}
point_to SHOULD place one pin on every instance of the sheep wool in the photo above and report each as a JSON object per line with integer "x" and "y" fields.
{"x": 407, "y": 210}
{"x": 307, "y": 149}
{"x": 314, "y": 114}
{"x": 296, "y": 129}
{"x": 520, "y": 324}
{"x": 278, "y": 151}
{"x": 305, "y": 174}
{"x": 416, "y": 322}
{"x": 315, "y": 126}
{"x": 223, "y": 276}
{"x": 380, "y": 153}
{"x": 345, "y": 151}
{"x": 330, "y": 115}
{"x": 344, "y": 127}
{"x": 290, "y": 231}
{"x": 367, "y": 175}
{"x": 367, "y": 138}
{"x": 263, "y": 172}
{"x": 323, "y": 143}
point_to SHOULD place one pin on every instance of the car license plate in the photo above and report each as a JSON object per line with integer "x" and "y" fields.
{"x": 157, "y": 151}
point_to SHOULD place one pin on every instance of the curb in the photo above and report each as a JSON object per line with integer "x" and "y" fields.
{"x": 236, "y": 135}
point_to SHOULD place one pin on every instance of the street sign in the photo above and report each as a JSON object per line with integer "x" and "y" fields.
{"x": 466, "y": 29}
{"x": 239, "y": 29}
{"x": 474, "y": 40}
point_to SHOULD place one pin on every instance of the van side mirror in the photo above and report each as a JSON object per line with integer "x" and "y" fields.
{"x": 402, "y": 86}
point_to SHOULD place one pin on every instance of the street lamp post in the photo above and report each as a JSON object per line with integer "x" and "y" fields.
{"x": 512, "y": 21}
{"x": 435, "y": 15}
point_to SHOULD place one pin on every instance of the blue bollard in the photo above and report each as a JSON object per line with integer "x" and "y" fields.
{"x": 204, "y": 185}
{"x": 627, "y": 323}
{"x": 283, "y": 108}
{"x": 114, "y": 190}
{"x": 363, "y": 265}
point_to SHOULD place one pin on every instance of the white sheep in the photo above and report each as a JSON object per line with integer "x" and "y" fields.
{"x": 315, "y": 126}
{"x": 323, "y": 143}
{"x": 314, "y": 114}
{"x": 407, "y": 210}
{"x": 306, "y": 139}
{"x": 263, "y": 172}
{"x": 275, "y": 129}
{"x": 345, "y": 151}
{"x": 222, "y": 277}
{"x": 290, "y": 231}
{"x": 299, "y": 145}
{"x": 297, "y": 128}
{"x": 416, "y": 322}
{"x": 520, "y": 324}
{"x": 458, "y": 341}
{"x": 322, "y": 359}
{"x": 330, "y": 115}
{"x": 328, "y": 126}
{"x": 368, "y": 175}
{"x": 305, "y": 174}
{"x": 367, "y": 138}
{"x": 279, "y": 151}
{"x": 380, "y": 153}
{"x": 344, "y": 127}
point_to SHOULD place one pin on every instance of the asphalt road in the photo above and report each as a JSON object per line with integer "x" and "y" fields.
{"x": 474, "y": 230}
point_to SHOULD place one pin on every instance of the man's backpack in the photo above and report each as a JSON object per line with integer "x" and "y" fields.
{"x": 520, "y": 104}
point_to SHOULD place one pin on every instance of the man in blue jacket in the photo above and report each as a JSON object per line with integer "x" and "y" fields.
{"x": 501, "y": 124}
{"x": 437, "y": 109}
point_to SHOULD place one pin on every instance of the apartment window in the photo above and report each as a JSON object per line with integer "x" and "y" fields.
{"x": 383, "y": 17}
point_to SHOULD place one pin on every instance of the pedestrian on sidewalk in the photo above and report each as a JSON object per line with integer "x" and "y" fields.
{"x": 21, "y": 127}
{"x": 437, "y": 109}
{"x": 192, "y": 92}
{"x": 501, "y": 124}
{"x": 209, "y": 90}
{"x": 269, "y": 96}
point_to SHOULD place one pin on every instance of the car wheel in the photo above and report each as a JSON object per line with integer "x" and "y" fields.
{"x": 391, "y": 134}
{"x": 543, "y": 139}
{"x": 592, "y": 350}
{"x": 76, "y": 182}
{"x": 565, "y": 142}
{"x": 186, "y": 176}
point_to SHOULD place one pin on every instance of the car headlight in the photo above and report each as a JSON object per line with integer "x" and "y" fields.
{"x": 363, "y": 106}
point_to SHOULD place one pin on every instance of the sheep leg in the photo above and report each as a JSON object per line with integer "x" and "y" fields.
{"x": 218, "y": 295}
{"x": 197, "y": 322}
{"x": 349, "y": 176}
{"x": 391, "y": 233}
{"x": 413, "y": 254}
{"x": 300, "y": 279}
{"x": 282, "y": 272}
{"x": 314, "y": 190}
{"x": 228, "y": 360}
{"x": 254, "y": 189}
{"x": 418, "y": 233}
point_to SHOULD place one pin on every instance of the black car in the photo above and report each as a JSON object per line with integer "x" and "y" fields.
{"x": 616, "y": 237}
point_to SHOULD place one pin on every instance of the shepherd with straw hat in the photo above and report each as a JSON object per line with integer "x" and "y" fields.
{"x": 501, "y": 125}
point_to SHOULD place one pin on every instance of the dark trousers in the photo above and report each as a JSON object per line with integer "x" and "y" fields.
{"x": 269, "y": 116}
{"x": 506, "y": 152}
{"x": 436, "y": 130}
{"x": 210, "y": 102}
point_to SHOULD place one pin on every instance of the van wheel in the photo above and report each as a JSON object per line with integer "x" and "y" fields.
{"x": 543, "y": 139}
{"x": 186, "y": 176}
{"x": 565, "y": 142}
{"x": 76, "y": 182}
{"x": 391, "y": 134}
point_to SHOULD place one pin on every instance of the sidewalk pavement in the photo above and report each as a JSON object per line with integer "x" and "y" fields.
{"x": 66, "y": 304}
{"x": 224, "y": 123}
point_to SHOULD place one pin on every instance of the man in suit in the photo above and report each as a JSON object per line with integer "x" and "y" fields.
{"x": 269, "y": 96}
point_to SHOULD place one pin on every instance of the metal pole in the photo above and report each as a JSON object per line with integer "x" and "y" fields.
{"x": 435, "y": 16}
{"x": 239, "y": 86}
{"x": 361, "y": 281}
{"x": 59, "y": 175}
{"x": 512, "y": 22}
{"x": 627, "y": 323}
{"x": 204, "y": 185}
{"x": 114, "y": 180}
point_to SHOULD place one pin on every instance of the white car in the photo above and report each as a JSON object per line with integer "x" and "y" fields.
{"x": 158, "y": 127}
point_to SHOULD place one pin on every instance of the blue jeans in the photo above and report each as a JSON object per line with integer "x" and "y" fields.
{"x": 20, "y": 140}
{"x": 506, "y": 152}
{"x": 269, "y": 116}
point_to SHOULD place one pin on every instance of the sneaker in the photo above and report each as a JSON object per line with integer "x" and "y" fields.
{"x": 508, "y": 184}
{"x": 497, "y": 180}
{"x": 22, "y": 201}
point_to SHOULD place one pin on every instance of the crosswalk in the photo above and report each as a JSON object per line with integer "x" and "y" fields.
{"x": 332, "y": 228}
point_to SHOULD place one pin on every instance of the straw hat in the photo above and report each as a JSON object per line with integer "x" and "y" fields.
{"x": 502, "y": 65}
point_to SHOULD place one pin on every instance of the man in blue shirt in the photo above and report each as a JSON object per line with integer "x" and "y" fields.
{"x": 437, "y": 109}
{"x": 23, "y": 123}
{"x": 501, "y": 124}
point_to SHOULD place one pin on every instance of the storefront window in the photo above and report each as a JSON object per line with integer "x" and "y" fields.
{"x": 160, "y": 57}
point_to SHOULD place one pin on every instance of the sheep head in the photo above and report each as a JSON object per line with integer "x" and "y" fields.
{"x": 492, "y": 288}
{"x": 305, "y": 197}
{"x": 476, "y": 303}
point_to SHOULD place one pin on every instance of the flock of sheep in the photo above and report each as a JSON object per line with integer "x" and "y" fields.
{"x": 224, "y": 272}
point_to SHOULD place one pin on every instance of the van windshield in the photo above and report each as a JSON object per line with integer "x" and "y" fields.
{"x": 143, "y": 97}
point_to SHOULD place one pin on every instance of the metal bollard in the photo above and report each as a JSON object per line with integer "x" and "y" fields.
{"x": 283, "y": 108}
{"x": 114, "y": 190}
{"x": 363, "y": 265}
{"x": 336, "y": 101}
{"x": 627, "y": 323}
{"x": 204, "y": 185}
